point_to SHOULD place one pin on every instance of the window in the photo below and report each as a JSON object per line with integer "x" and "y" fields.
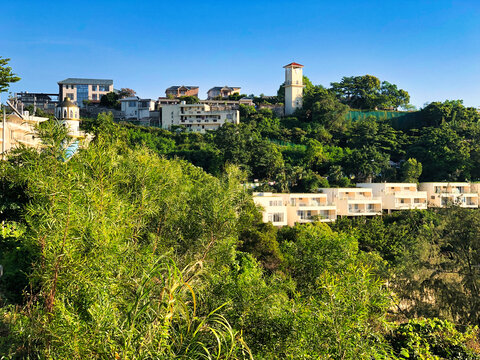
{"x": 94, "y": 96}
{"x": 277, "y": 217}
{"x": 275, "y": 202}
{"x": 82, "y": 94}
{"x": 103, "y": 88}
{"x": 132, "y": 104}
{"x": 70, "y": 96}
{"x": 94, "y": 87}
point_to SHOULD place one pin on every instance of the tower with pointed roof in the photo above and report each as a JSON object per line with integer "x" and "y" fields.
{"x": 293, "y": 87}
{"x": 69, "y": 114}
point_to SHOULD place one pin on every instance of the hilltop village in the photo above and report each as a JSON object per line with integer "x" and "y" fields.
{"x": 319, "y": 222}
{"x": 182, "y": 110}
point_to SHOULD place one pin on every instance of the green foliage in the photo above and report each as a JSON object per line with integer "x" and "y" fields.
{"x": 189, "y": 99}
{"x": 434, "y": 339}
{"x": 450, "y": 111}
{"x": 411, "y": 170}
{"x": 110, "y": 100}
{"x": 6, "y": 75}
{"x": 367, "y": 92}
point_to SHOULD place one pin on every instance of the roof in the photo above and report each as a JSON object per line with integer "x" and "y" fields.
{"x": 78, "y": 81}
{"x": 185, "y": 86}
{"x": 293, "y": 64}
{"x": 231, "y": 88}
{"x": 67, "y": 103}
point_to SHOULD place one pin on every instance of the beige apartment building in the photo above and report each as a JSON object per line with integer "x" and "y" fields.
{"x": 19, "y": 130}
{"x": 80, "y": 90}
{"x": 274, "y": 208}
{"x": 197, "y": 117}
{"x": 354, "y": 201}
{"x": 441, "y": 194}
{"x": 398, "y": 196}
{"x": 289, "y": 209}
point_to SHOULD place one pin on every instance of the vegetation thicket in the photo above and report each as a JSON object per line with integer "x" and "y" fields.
{"x": 146, "y": 245}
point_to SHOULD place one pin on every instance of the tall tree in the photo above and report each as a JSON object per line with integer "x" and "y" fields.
{"x": 6, "y": 75}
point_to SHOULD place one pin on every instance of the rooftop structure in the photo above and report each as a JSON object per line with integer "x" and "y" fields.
{"x": 182, "y": 90}
{"x": 79, "y": 90}
{"x": 223, "y": 92}
{"x": 44, "y": 101}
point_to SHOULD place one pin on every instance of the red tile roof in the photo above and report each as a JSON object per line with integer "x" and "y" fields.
{"x": 294, "y": 64}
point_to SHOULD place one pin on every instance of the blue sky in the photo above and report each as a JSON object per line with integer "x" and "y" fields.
{"x": 429, "y": 48}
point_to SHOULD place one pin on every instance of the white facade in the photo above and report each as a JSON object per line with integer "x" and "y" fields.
{"x": 273, "y": 206}
{"x": 354, "y": 201}
{"x": 441, "y": 194}
{"x": 293, "y": 87}
{"x": 197, "y": 117}
{"x": 136, "y": 108}
{"x": 289, "y": 209}
{"x": 398, "y": 196}
{"x": 19, "y": 129}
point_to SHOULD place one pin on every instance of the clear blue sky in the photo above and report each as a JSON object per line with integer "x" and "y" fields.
{"x": 429, "y": 48}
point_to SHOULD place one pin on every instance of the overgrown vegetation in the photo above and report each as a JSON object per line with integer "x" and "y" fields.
{"x": 145, "y": 244}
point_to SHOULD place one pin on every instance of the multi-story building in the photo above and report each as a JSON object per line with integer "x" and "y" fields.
{"x": 398, "y": 196}
{"x": 441, "y": 194}
{"x": 223, "y": 92}
{"x": 289, "y": 209}
{"x": 293, "y": 87}
{"x": 197, "y": 117}
{"x": 80, "y": 90}
{"x": 354, "y": 201}
{"x": 19, "y": 129}
{"x": 136, "y": 108}
{"x": 214, "y": 104}
{"x": 304, "y": 208}
{"x": 44, "y": 101}
{"x": 274, "y": 208}
{"x": 177, "y": 91}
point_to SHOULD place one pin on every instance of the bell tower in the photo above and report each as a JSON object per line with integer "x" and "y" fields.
{"x": 293, "y": 87}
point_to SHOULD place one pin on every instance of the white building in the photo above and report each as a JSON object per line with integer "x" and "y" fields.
{"x": 274, "y": 208}
{"x": 441, "y": 194}
{"x": 197, "y": 117}
{"x": 398, "y": 196}
{"x": 19, "y": 129}
{"x": 136, "y": 108}
{"x": 293, "y": 87}
{"x": 354, "y": 201}
{"x": 289, "y": 209}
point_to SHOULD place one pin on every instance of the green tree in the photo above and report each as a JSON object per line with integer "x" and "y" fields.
{"x": 110, "y": 100}
{"x": 411, "y": 170}
{"x": 6, "y": 75}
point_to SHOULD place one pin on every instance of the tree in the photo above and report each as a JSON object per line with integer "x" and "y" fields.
{"x": 367, "y": 92}
{"x": 189, "y": 99}
{"x": 110, "y": 100}
{"x": 411, "y": 170}
{"x": 6, "y": 75}
{"x": 126, "y": 92}
{"x": 450, "y": 111}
